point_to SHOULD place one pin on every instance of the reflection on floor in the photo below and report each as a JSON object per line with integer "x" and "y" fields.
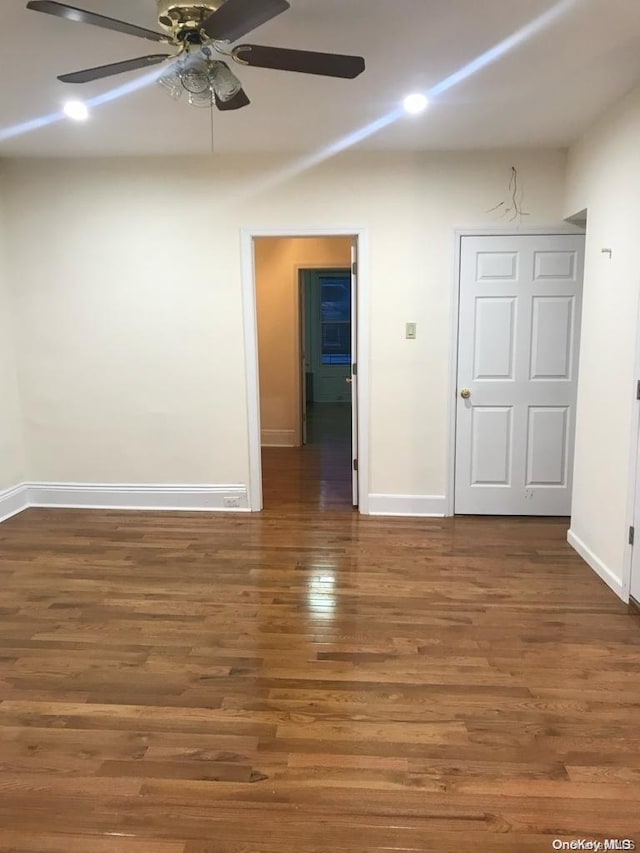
{"x": 304, "y": 681}
{"x": 318, "y": 474}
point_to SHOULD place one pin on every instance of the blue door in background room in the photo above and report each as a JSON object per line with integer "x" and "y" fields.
{"x": 327, "y": 317}
{"x": 327, "y": 383}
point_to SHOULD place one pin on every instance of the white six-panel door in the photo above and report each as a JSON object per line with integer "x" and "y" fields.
{"x": 520, "y": 303}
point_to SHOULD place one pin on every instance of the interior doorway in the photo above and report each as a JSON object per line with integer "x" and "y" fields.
{"x": 306, "y": 299}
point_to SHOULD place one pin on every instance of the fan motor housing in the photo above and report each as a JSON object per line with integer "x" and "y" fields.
{"x": 178, "y": 15}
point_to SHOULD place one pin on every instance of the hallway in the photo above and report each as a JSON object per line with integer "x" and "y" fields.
{"x": 318, "y": 474}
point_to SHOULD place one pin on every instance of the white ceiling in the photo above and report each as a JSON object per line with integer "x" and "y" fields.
{"x": 543, "y": 92}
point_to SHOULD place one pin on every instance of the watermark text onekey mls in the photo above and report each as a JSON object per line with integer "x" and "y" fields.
{"x": 596, "y": 846}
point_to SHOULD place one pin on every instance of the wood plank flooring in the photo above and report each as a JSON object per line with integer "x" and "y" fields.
{"x": 310, "y": 681}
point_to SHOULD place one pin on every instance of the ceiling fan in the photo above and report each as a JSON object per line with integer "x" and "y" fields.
{"x": 202, "y": 32}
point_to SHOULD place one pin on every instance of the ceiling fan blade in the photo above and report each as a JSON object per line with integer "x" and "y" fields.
{"x": 115, "y": 68}
{"x": 302, "y": 61}
{"x": 236, "y": 18}
{"x": 236, "y": 103}
{"x": 80, "y": 16}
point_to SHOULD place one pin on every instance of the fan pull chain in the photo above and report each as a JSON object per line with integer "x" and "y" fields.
{"x": 213, "y": 139}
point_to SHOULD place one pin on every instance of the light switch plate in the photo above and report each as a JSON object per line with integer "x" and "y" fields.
{"x": 411, "y": 332}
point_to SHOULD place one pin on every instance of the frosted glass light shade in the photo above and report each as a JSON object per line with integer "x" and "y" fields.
{"x": 223, "y": 82}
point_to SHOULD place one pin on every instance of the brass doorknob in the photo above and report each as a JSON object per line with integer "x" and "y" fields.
{"x": 465, "y": 393}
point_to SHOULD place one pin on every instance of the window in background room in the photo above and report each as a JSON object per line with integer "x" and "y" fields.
{"x": 335, "y": 318}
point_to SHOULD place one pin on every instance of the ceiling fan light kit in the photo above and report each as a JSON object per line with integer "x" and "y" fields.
{"x": 203, "y": 34}
{"x": 203, "y": 78}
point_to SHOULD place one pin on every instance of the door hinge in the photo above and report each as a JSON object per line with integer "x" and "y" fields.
{"x": 638, "y": 390}
{"x": 355, "y": 464}
{"x": 354, "y": 369}
{"x": 632, "y": 535}
{"x": 354, "y": 268}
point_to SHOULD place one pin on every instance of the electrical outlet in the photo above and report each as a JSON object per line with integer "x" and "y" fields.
{"x": 411, "y": 331}
{"x": 232, "y": 503}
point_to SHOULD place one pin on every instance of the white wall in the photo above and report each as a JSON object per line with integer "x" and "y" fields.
{"x": 604, "y": 178}
{"x": 130, "y": 314}
{"x": 12, "y": 463}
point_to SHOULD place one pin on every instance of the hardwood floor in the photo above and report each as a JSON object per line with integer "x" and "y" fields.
{"x": 317, "y": 475}
{"x": 310, "y": 681}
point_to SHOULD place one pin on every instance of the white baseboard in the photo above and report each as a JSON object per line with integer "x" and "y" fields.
{"x": 278, "y": 438}
{"x": 428, "y": 506}
{"x": 597, "y": 565}
{"x": 128, "y": 497}
{"x": 13, "y": 501}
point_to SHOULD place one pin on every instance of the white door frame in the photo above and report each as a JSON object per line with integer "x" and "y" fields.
{"x": 250, "y": 322}
{"x": 459, "y": 233}
{"x": 633, "y": 491}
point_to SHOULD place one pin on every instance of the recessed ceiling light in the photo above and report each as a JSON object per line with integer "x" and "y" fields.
{"x": 76, "y": 110}
{"x": 416, "y": 104}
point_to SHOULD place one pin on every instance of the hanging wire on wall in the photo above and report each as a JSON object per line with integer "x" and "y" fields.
{"x": 511, "y": 208}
